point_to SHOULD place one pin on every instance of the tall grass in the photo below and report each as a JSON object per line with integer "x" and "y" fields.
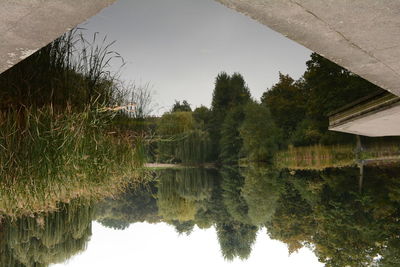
{"x": 57, "y": 137}
{"x": 69, "y": 71}
{"x": 49, "y": 157}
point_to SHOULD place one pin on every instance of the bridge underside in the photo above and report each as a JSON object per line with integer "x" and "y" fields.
{"x": 362, "y": 36}
{"x": 26, "y": 26}
{"x": 376, "y": 115}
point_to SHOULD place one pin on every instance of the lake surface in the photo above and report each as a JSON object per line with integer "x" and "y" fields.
{"x": 230, "y": 216}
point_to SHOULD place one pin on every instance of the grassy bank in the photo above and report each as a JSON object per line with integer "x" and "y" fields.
{"x": 48, "y": 157}
{"x": 59, "y": 137}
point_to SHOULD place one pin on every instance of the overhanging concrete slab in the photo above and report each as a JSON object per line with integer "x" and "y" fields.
{"x": 28, "y": 25}
{"x": 383, "y": 123}
{"x": 360, "y": 35}
{"x": 378, "y": 115}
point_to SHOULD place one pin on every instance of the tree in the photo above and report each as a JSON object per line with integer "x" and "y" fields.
{"x": 184, "y": 107}
{"x": 232, "y": 185}
{"x": 171, "y": 129}
{"x": 287, "y": 101}
{"x": 230, "y": 142}
{"x": 236, "y": 239}
{"x": 261, "y": 137}
{"x": 261, "y": 191}
{"x": 230, "y": 92}
{"x": 202, "y": 115}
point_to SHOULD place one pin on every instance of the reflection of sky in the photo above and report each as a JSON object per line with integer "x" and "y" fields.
{"x": 180, "y": 46}
{"x": 144, "y": 244}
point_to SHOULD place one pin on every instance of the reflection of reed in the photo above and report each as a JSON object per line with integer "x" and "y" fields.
{"x": 320, "y": 157}
{"x": 46, "y": 239}
{"x": 315, "y": 157}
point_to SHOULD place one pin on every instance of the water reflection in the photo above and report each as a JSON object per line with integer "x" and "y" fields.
{"x": 42, "y": 240}
{"x": 322, "y": 210}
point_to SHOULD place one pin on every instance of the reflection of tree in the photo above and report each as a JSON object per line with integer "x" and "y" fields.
{"x": 180, "y": 191}
{"x": 232, "y": 184}
{"x": 236, "y": 239}
{"x": 136, "y": 204}
{"x": 292, "y": 222}
{"x": 261, "y": 191}
{"x": 52, "y": 238}
{"x": 228, "y": 211}
{"x": 343, "y": 226}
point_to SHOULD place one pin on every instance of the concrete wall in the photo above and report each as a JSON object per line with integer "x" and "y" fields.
{"x": 28, "y": 25}
{"x": 360, "y": 35}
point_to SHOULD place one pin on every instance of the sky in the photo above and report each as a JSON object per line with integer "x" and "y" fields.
{"x": 144, "y": 244}
{"x": 180, "y": 46}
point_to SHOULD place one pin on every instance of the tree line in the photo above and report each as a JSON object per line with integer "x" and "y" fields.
{"x": 236, "y": 126}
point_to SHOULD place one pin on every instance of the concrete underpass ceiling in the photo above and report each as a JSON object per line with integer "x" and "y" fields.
{"x": 28, "y": 25}
{"x": 360, "y": 35}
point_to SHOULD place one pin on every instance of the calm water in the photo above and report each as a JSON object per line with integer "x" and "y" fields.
{"x": 232, "y": 216}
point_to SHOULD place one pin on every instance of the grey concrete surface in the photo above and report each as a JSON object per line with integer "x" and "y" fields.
{"x": 360, "y": 35}
{"x": 383, "y": 123}
{"x": 28, "y": 25}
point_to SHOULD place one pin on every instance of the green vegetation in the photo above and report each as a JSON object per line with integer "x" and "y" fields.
{"x": 320, "y": 157}
{"x": 182, "y": 139}
{"x": 300, "y": 108}
{"x": 60, "y": 136}
{"x": 316, "y": 157}
{"x": 58, "y": 157}
{"x": 46, "y": 239}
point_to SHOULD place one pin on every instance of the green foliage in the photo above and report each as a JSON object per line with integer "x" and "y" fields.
{"x": 287, "y": 102}
{"x": 261, "y": 191}
{"x": 180, "y": 190}
{"x": 293, "y": 221}
{"x": 230, "y": 143}
{"x": 172, "y": 128}
{"x": 46, "y": 239}
{"x": 343, "y": 226}
{"x": 230, "y": 93}
{"x": 183, "y": 227}
{"x": 135, "y": 204}
{"x": 236, "y": 239}
{"x": 301, "y": 108}
{"x": 184, "y": 107}
{"x": 232, "y": 186}
{"x": 194, "y": 147}
{"x": 58, "y": 156}
{"x": 202, "y": 115}
{"x": 261, "y": 137}
{"x": 181, "y": 139}
{"x": 175, "y": 123}
{"x": 69, "y": 71}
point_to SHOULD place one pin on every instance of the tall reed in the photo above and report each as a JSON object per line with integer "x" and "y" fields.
{"x": 48, "y": 157}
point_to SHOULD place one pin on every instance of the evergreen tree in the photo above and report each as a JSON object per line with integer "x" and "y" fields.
{"x": 230, "y": 92}
{"x": 184, "y": 107}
